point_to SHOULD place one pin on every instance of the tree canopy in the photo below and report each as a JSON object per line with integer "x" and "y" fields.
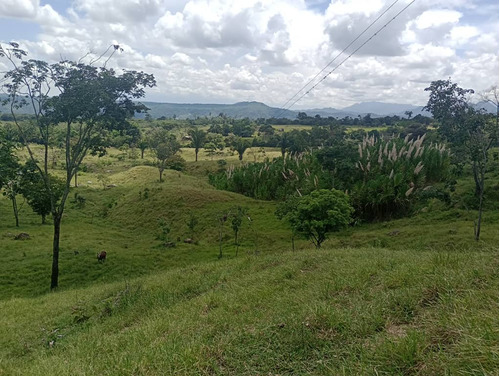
{"x": 90, "y": 101}
{"x": 318, "y": 213}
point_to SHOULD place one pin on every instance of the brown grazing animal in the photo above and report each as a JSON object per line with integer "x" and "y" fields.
{"x": 101, "y": 256}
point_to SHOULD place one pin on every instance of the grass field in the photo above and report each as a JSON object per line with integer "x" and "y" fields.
{"x": 413, "y": 296}
{"x": 328, "y": 312}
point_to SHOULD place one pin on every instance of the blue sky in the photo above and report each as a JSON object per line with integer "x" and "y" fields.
{"x": 225, "y": 51}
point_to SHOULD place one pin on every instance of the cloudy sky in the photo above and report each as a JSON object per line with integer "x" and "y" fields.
{"x": 227, "y": 51}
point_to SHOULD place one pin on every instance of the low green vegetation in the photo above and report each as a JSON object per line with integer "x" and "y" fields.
{"x": 333, "y": 311}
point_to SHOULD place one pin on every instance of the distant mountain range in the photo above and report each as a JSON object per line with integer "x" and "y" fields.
{"x": 255, "y": 110}
{"x": 252, "y": 110}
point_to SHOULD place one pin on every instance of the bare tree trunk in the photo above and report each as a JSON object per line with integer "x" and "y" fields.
{"x": 196, "y": 154}
{"x": 477, "y": 228}
{"x": 14, "y": 207}
{"x": 477, "y": 181}
{"x": 54, "y": 280}
{"x": 76, "y": 179}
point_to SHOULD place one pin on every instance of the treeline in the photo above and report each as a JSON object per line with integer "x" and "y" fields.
{"x": 238, "y": 134}
{"x": 360, "y": 121}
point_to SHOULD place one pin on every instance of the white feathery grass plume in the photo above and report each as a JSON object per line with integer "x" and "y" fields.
{"x": 420, "y": 140}
{"x": 229, "y": 171}
{"x": 361, "y": 166}
{"x": 300, "y": 194}
{"x": 401, "y": 151}
{"x": 284, "y": 176}
{"x": 360, "y": 151}
{"x": 379, "y": 160}
{"x": 427, "y": 188}
{"x": 409, "y": 191}
{"x": 368, "y": 155}
{"x": 391, "y": 175}
{"x": 418, "y": 168}
{"x": 410, "y": 151}
{"x": 407, "y": 138}
{"x": 417, "y": 142}
{"x": 386, "y": 149}
{"x": 368, "y": 166}
{"x": 394, "y": 153}
{"x": 420, "y": 152}
{"x": 316, "y": 181}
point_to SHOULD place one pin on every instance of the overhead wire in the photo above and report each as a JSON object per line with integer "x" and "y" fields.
{"x": 338, "y": 55}
{"x": 284, "y": 108}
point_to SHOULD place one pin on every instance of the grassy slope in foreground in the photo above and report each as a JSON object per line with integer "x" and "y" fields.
{"x": 328, "y": 312}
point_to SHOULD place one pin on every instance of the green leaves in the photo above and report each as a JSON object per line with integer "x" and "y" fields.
{"x": 317, "y": 214}
{"x": 449, "y": 105}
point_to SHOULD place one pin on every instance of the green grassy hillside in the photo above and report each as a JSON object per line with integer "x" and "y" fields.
{"x": 329, "y": 312}
{"x": 413, "y": 296}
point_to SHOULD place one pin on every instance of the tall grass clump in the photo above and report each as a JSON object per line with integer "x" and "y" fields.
{"x": 394, "y": 174}
{"x": 274, "y": 179}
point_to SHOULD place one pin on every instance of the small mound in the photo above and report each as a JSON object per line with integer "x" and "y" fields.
{"x": 175, "y": 200}
{"x": 135, "y": 175}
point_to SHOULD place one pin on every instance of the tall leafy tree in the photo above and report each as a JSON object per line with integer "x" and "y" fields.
{"x": 283, "y": 142}
{"x": 164, "y": 146}
{"x": 33, "y": 188}
{"x": 240, "y": 146}
{"x": 449, "y": 105}
{"x": 236, "y": 215}
{"x": 89, "y": 101}
{"x": 9, "y": 172}
{"x": 142, "y": 144}
{"x": 198, "y": 137}
{"x": 467, "y": 129}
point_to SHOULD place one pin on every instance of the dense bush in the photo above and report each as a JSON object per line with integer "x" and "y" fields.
{"x": 276, "y": 179}
{"x": 316, "y": 214}
{"x": 392, "y": 175}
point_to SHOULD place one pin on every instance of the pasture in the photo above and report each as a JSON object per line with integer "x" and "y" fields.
{"x": 412, "y": 296}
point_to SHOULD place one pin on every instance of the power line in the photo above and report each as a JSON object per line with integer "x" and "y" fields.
{"x": 335, "y": 58}
{"x": 343, "y": 61}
